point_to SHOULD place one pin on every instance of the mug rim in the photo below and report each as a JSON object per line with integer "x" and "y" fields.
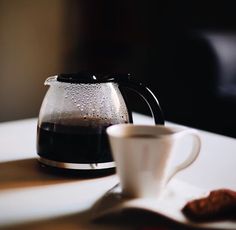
{"x": 124, "y": 130}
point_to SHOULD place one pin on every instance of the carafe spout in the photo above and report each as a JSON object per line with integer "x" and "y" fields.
{"x": 50, "y": 80}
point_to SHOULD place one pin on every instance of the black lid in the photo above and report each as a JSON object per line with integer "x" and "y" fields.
{"x": 86, "y": 77}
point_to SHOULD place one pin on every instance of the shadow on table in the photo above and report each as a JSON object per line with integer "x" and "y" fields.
{"x": 144, "y": 220}
{"x": 28, "y": 173}
{"x": 130, "y": 219}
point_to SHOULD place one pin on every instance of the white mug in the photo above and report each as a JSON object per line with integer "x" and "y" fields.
{"x": 143, "y": 153}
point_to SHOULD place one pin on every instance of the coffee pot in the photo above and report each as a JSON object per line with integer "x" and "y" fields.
{"x": 75, "y": 113}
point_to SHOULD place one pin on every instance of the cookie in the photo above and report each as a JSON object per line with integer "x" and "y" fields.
{"x": 218, "y": 205}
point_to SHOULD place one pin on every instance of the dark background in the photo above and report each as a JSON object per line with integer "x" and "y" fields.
{"x": 184, "y": 51}
{"x": 172, "y": 47}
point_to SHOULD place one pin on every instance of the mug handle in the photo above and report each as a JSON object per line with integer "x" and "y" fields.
{"x": 148, "y": 96}
{"x": 192, "y": 155}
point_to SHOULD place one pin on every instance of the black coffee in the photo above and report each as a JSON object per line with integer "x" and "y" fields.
{"x": 73, "y": 143}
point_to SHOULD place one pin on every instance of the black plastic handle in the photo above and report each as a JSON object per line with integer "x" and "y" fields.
{"x": 147, "y": 95}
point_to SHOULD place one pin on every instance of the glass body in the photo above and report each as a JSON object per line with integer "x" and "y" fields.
{"x": 73, "y": 118}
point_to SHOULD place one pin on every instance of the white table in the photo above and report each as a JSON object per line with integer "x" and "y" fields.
{"x": 32, "y": 199}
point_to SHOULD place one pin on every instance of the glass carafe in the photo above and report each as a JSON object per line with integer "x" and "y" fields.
{"x": 75, "y": 113}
